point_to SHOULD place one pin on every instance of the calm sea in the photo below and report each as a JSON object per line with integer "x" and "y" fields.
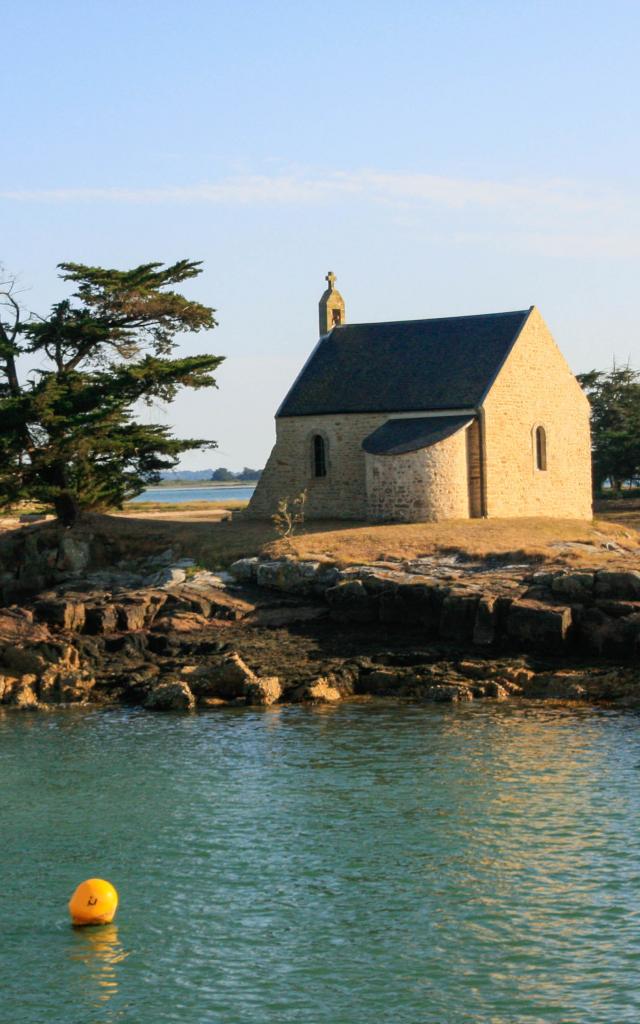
{"x": 349, "y": 865}
{"x": 181, "y": 494}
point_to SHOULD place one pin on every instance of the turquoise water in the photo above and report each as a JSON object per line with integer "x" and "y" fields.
{"x": 181, "y": 494}
{"x": 347, "y": 865}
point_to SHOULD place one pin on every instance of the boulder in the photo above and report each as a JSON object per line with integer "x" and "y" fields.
{"x": 603, "y": 634}
{"x": 64, "y": 684}
{"x": 351, "y": 602}
{"x": 539, "y": 626}
{"x": 293, "y": 577}
{"x": 496, "y": 690}
{"x": 228, "y": 679}
{"x": 410, "y": 604}
{"x": 320, "y": 691}
{"x": 485, "y": 626}
{"x": 134, "y": 613}
{"x": 245, "y": 569}
{"x": 17, "y": 626}
{"x": 180, "y": 622}
{"x": 566, "y": 685}
{"x": 618, "y": 609}
{"x": 576, "y": 586}
{"x": 264, "y": 691}
{"x": 173, "y": 695}
{"x": 61, "y": 613}
{"x": 458, "y": 616}
{"x": 100, "y": 618}
{"x": 625, "y": 585}
{"x": 73, "y": 554}
{"x": 20, "y": 692}
{"x": 449, "y": 693}
{"x": 382, "y": 681}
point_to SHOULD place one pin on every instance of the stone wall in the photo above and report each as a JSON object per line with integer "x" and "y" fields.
{"x": 535, "y": 387}
{"x": 341, "y": 494}
{"x": 421, "y": 486}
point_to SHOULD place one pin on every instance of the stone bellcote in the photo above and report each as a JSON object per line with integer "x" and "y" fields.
{"x": 331, "y": 306}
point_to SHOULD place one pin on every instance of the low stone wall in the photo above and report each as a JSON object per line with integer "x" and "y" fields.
{"x": 558, "y": 611}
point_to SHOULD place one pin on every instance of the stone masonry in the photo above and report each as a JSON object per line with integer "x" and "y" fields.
{"x": 420, "y": 486}
{"x": 536, "y": 387}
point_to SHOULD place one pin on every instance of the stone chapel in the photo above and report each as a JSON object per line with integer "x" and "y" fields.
{"x": 420, "y": 420}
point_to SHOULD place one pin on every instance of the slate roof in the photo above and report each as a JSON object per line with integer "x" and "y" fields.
{"x": 404, "y": 366}
{"x": 398, "y": 436}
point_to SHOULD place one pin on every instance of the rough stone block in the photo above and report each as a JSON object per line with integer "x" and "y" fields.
{"x": 101, "y": 618}
{"x": 245, "y": 569}
{"x": 291, "y": 576}
{"x": 62, "y": 613}
{"x": 174, "y": 695}
{"x": 350, "y": 602}
{"x": 229, "y": 679}
{"x": 132, "y": 614}
{"x": 485, "y": 627}
{"x": 577, "y": 586}
{"x": 458, "y": 615}
{"x": 264, "y": 691}
{"x": 625, "y": 585}
{"x": 539, "y": 626}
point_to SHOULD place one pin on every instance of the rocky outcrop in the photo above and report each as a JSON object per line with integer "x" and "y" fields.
{"x": 421, "y": 632}
{"x": 492, "y": 607}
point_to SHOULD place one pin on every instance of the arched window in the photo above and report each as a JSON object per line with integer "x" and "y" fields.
{"x": 541, "y": 448}
{"x": 319, "y": 456}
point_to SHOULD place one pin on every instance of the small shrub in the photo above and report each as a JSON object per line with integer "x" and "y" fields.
{"x": 289, "y": 515}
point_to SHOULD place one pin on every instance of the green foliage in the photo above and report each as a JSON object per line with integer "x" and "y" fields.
{"x": 289, "y": 515}
{"x": 226, "y": 475}
{"x": 222, "y": 475}
{"x": 68, "y": 435}
{"x": 249, "y": 474}
{"x": 615, "y": 423}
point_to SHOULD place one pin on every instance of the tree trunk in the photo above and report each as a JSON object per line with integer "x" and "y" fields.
{"x": 67, "y": 509}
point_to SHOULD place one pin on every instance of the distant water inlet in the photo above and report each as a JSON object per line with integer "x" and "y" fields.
{"x": 178, "y": 495}
{"x": 335, "y": 865}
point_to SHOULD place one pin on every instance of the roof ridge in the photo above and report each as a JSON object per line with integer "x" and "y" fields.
{"x": 431, "y": 319}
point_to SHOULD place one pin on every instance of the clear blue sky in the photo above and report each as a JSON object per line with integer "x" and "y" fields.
{"x": 442, "y": 158}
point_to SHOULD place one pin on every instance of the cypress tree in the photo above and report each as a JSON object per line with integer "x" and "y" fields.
{"x": 69, "y": 436}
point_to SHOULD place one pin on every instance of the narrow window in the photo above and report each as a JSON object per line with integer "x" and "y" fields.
{"x": 319, "y": 456}
{"x": 335, "y": 317}
{"x": 541, "y": 448}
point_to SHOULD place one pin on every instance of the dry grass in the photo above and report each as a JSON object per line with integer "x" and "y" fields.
{"x": 133, "y": 508}
{"x": 531, "y": 540}
{"x": 215, "y": 543}
{"x": 199, "y": 530}
{"x": 624, "y": 511}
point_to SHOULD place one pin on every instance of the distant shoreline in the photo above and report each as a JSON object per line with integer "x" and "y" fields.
{"x": 185, "y": 484}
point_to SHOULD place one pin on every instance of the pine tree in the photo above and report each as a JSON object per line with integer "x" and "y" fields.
{"x": 68, "y": 433}
{"x": 615, "y": 423}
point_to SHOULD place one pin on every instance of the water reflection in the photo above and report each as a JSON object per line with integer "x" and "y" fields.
{"x": 100, "y": 949}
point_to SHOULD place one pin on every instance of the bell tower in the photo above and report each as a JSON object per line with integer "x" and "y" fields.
{"x": 331, "y": 306}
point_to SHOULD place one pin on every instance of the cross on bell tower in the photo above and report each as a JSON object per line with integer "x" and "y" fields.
{"x": 331, "y": 306}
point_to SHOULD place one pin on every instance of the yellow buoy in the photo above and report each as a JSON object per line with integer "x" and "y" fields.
{"x": 94, "y": 902}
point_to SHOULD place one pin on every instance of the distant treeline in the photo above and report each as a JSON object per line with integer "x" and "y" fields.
{"x": 219, "y": 475}
{"x": 226, "y": 475}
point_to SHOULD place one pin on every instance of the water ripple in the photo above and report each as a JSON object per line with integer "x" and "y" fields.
{"x": 381, "y": 863}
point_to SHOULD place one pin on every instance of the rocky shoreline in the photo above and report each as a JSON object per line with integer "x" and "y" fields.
{"x": 164, "y": 634}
